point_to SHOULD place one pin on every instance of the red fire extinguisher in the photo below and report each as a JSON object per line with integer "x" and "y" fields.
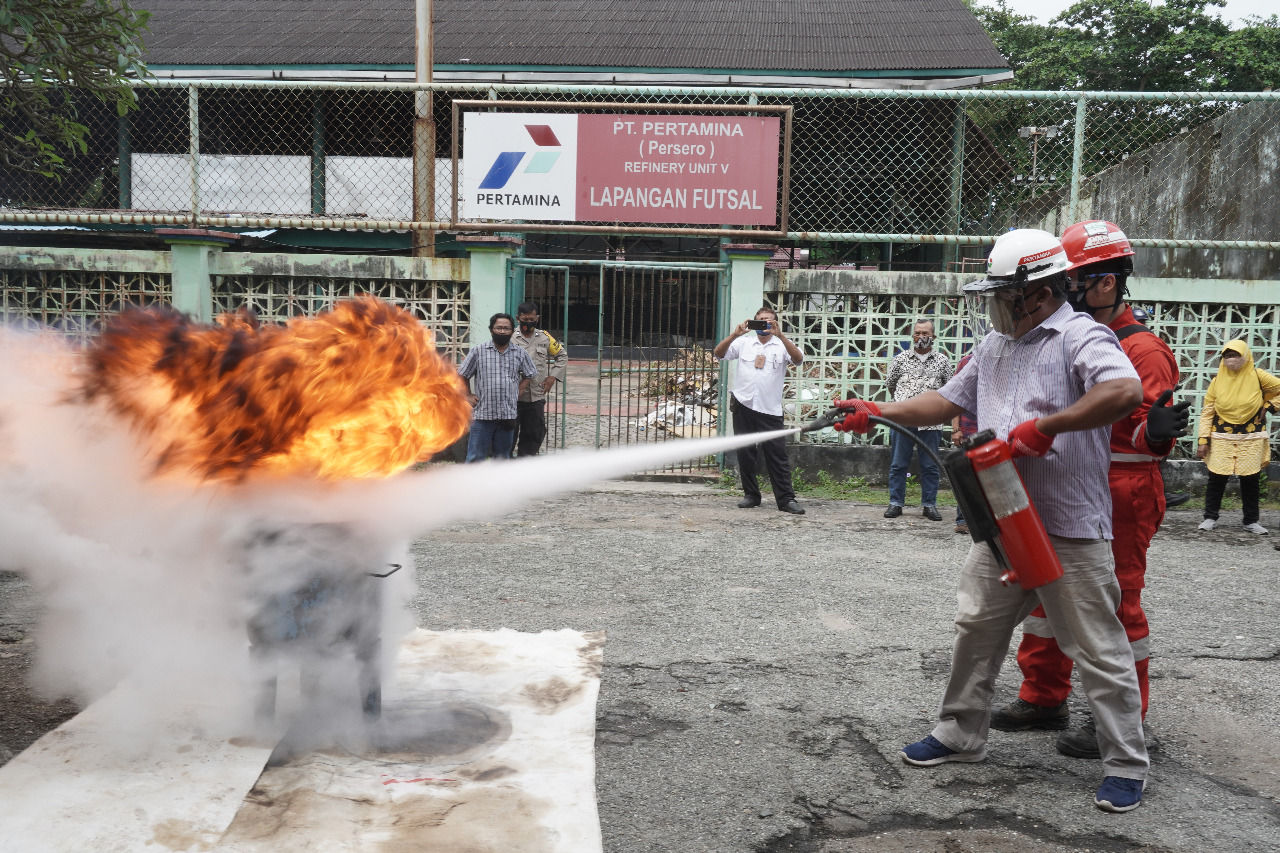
{"x": 999, "y": 511}
{"x": 994, "y": 501}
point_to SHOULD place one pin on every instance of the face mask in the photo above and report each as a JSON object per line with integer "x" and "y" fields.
{"x": 924, "y": 342}
{"x": 527, "y": 328}
{"x": 501, "y": 339}
{"x": 1079, "y": 300}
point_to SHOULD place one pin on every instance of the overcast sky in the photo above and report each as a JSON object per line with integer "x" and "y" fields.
{"x": 1233, "y": 12}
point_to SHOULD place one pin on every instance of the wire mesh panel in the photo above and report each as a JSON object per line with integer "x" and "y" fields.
{"x": 75, "y": 302}
{"x": 1197, "y": 332}
{"x": 850, "y": 338}
{"x": 443, "y": 306}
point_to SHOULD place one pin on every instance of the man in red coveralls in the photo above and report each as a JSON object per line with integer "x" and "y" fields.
{"x": 1101, "y": 261}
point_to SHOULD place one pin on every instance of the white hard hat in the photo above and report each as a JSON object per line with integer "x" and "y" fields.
{"x": 1021, "y": 256}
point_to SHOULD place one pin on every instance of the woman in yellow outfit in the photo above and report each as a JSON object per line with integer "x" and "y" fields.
{"x": 1233, "y": 435}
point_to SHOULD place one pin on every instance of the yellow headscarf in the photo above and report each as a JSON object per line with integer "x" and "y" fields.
{"x": 1237, "y": 393}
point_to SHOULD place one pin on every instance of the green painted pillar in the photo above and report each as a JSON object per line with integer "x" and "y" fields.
{"x": 746, "y": 280}
{"x": 489, "y": 256}
{"x": 745, "y": 296}
{"x": 192, "y": 285}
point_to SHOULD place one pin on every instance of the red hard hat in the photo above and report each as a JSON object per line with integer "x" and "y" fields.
{"x": 1095, "y": 240}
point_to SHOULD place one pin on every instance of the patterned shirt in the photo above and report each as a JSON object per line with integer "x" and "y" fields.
{"x": 1050, "y": 367}
{"x": 498, "y": 376}
{"x": 910, "y": 375}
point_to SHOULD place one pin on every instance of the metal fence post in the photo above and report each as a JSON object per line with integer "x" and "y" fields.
{"x": 318, "y": 190}
{"x": 1077, "y": 161}
{"x": 957, "y": 174}
{"x": 124, "y": 162}
{"x": 193, "y": 122}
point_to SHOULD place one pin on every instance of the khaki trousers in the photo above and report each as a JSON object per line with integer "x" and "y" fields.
{"x": 1081, "y": 608}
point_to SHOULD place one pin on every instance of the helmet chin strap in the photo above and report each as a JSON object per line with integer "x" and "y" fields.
{"x": 1020, "y": 304}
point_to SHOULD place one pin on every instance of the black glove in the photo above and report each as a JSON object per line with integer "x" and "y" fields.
{"x": 1164, "y": 422}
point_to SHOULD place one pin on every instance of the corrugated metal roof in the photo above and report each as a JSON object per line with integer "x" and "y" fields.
{"x": 827, "y": 36}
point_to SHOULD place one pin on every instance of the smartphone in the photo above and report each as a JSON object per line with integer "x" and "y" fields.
{"x": 757, "y": 325}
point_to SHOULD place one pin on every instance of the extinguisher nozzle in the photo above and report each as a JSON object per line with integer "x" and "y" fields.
{"x": 826, "y": 419}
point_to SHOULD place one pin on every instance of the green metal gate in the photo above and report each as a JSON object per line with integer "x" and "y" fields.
{"x": 639, "y": 337}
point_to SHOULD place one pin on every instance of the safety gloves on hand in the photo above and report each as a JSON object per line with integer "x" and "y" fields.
{"x": 1026, "y": 440}
{"x": 1165, "y": 422}
{"x": 858, "y": 419}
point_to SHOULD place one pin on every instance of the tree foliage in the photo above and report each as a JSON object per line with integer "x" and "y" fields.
{"x": 1110, "y": 46}
{"x": 55, "y": 51}
{"x": 1136, "y": 46}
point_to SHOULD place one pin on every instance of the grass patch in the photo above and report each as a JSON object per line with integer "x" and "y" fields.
{"x": 823, "y": 486}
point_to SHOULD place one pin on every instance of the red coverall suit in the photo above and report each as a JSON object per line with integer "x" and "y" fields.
{"x": 1137, "y": 498}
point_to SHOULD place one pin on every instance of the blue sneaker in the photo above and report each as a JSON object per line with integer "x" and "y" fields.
{"x": 930, "y": 751}
{"x": 1118, "y": 794}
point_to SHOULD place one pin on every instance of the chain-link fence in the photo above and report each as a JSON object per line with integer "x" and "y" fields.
{"x": 874, "y": 175}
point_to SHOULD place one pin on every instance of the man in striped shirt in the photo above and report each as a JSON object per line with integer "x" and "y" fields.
{"x": 1101, "y": 262}
{"x": 497, "y": 374}
{"x": 1050, "y": 381}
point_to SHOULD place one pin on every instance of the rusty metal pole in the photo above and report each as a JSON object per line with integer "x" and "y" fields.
{"x": 424, "y": 136}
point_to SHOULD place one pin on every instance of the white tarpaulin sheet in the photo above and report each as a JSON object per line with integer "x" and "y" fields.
{"x": 486, "y": 744}
{"x": 110, "y": 782}
{"x": 499, "y": 757}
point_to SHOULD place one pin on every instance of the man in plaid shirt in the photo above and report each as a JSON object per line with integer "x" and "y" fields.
{"x": 497, "y": 374}
{"x": 911, "y": 373}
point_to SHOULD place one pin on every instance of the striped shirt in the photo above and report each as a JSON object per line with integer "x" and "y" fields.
{"x": 498, "y": 376}
{"x": 1043, "y": 372}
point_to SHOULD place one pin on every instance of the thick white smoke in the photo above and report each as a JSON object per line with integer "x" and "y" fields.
{"x": 157, "y": 583}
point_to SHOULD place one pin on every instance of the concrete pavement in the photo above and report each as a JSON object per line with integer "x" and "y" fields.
{"x": 762, "y": 671}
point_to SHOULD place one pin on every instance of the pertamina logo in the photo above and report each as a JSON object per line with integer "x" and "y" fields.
{"x": 543, "y": 160}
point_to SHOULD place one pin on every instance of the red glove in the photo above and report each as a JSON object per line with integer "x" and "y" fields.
{"x": 858, "y": 419}
{"x": 1026, "y": 440}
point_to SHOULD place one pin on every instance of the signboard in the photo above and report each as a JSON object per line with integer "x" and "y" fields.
{"x": 704, "y": 170}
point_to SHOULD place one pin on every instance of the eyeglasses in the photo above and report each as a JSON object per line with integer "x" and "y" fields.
{"x": 1076, "y": 280}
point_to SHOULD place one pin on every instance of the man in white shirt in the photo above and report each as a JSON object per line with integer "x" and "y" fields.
{"x": 762, "y": 355}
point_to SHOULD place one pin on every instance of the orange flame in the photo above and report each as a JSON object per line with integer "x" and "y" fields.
{"x": 359, "y": 391}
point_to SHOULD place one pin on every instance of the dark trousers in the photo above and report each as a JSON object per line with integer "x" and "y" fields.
{"x": 1248, "y": 496}
{"x": 531, "y": 427}
{"x": 774, "y": 451}
{"x": 490, "y": 440}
